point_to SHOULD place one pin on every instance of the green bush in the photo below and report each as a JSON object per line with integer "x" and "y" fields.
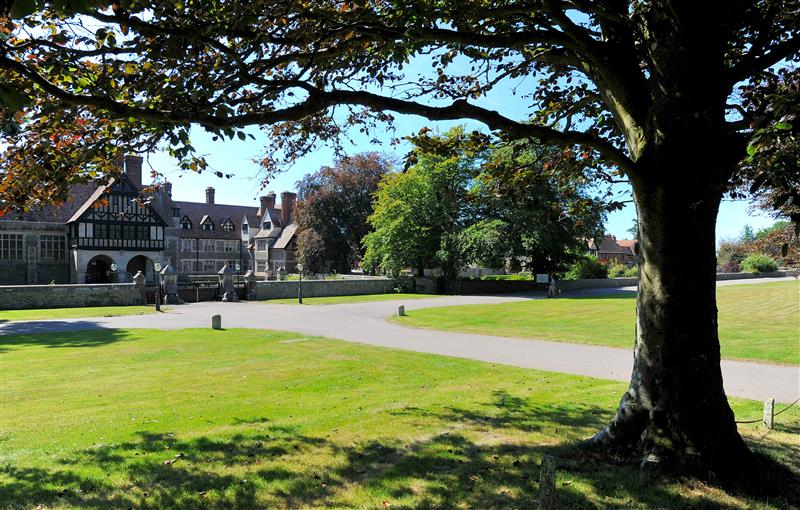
{"x": 616, "y": 270}
{"x": 523, "y": 276}
{"x": 758, "y": 263}
{"x": 631, "y": 272}
{"x": 587, "y": 268}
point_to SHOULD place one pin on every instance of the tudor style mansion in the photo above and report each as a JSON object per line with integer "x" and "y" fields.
{"x": 104, "y": 233}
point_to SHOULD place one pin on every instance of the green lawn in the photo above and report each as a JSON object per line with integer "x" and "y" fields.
{"x": 257, "y": 419}
{"x": 340, "y": 300}
{"x": 71, "y": 313}
{"x": 757, "y": 321}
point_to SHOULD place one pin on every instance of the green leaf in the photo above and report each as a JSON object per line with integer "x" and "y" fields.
{"x": 241, "y": 135}
{"x": 785, "y": 126}
{"x": 22, "y": 8}
{"x": 12, "y": 99}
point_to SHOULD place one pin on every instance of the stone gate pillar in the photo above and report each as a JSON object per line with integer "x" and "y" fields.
{"x": 226, "y": 275}
{"x": 169, "y": 282}
{"x": 139, "y": 285}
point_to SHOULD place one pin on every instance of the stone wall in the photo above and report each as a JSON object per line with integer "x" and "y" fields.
{"x": 433, "y": 286}
{"x": 33, "y": 268}
{"x": 320, "y": 288}
{"x": 598, "y": 283}
{"x": 747, "y": 276}
{"x": 17, "y": 297}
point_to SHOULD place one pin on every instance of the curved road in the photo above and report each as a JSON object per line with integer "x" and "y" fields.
{"x": 366, "y": 323}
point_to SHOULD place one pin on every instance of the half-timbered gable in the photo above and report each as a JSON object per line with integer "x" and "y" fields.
{"x": 115, "y": 217}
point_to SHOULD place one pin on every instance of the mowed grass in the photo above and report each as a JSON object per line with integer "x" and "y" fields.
{"x": 756, "y": 321}
{"x": 71, "y": 313}
{"x": 258, "y": 419}
{"x": 340, "y": 300}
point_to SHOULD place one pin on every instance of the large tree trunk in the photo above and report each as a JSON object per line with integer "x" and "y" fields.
{"x": 675, "y": 414}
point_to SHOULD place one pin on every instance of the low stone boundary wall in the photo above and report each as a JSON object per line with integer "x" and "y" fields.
{"x": 321, "y": 288}
{"x": 18, "y": 297}
{"x": 598, "y": 283}
{"x": 433, "y": 286}
{"x": 747, "y": 276}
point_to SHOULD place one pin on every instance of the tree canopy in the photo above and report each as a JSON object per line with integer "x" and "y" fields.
{"x": 82, "y": 79}
{"x": 490, "y": 208}
{"x": 332, "y": 211}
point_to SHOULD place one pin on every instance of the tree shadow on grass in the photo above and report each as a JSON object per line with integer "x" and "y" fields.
{"x": 57, "y": 334}
{"x": 475, "y": 458}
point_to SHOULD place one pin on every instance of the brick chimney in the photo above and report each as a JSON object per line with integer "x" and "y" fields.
{"x": 287, "y": 206}
{"x": 210, "y": 195}
{"x": 133, "y": 167}
{"x": 267, "y": 202}
{"x": 168, "y": 188}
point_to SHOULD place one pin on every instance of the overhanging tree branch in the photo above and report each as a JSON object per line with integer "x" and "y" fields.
{"x": 753, "y": 63}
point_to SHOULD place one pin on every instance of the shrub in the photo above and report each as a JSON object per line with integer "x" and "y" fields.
{"x": 616, "y": 270}
{"x": 730, "y": 266}
{"x": 405, "y": 284}
{"x": 587, "y": 268}
{"x": 759, "y": 263}
{"x": 523, "y": 276}
{"x": 631, "y": 272}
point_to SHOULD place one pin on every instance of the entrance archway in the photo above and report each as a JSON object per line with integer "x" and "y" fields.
{"x": 140, "y": 263}
{"x": 98, "y": 270}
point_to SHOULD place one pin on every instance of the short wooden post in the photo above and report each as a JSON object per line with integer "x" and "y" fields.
{"x": 769, "y": 413}
{"x": 547, "y": 483}
{"x": 401, "y": 310}
{"x": 216, "y": 321}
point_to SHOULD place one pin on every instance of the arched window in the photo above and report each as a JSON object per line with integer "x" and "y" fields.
{"x": 186, "y": 223}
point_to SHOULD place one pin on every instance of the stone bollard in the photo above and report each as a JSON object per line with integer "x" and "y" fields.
{"x": 140, "y": 287}
{"x": 547, "y": 483}
{"x": 401, "y": 310}
{"x": 216, "y": 322}
{"x": 769, "y": 413}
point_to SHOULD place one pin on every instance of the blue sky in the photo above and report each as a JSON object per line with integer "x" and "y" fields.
{"x": 240, "y": 159}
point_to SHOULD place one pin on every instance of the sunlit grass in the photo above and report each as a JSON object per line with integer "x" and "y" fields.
{"x": 261, "y": 419}
{"x": 72, "y": 313}
{"x": 340, "y": 300}
{"x": 756, "y": 321}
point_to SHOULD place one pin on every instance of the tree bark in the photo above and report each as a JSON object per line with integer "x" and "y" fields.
{"x": 675, "y": 415}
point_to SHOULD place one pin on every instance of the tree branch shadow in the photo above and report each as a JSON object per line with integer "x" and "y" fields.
{"x": 58, "y": 334}
{"x": 475, "y": 458}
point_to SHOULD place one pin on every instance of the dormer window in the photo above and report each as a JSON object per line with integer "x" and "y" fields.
{"x": 206, "y": 223}
{"x": 186, "y": 223}
{"x": 228, "y": 226}
{"x": 245, "y": 228}
{"x": 176, "y": 212}
{"x": 266, "y": 225}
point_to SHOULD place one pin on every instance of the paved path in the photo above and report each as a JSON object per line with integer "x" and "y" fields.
{"x": 366, "y": 323}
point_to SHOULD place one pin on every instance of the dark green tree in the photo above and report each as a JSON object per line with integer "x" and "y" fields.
{"x": 487, "y": 207}
{"x": 419, "y": 214}
{"x": 540, "y": 222}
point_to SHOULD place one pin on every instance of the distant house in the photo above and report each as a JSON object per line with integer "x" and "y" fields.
{"x": 613, "y": 250}
{"x": 270, "y": 233}
{"x": 105, "y": 233}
